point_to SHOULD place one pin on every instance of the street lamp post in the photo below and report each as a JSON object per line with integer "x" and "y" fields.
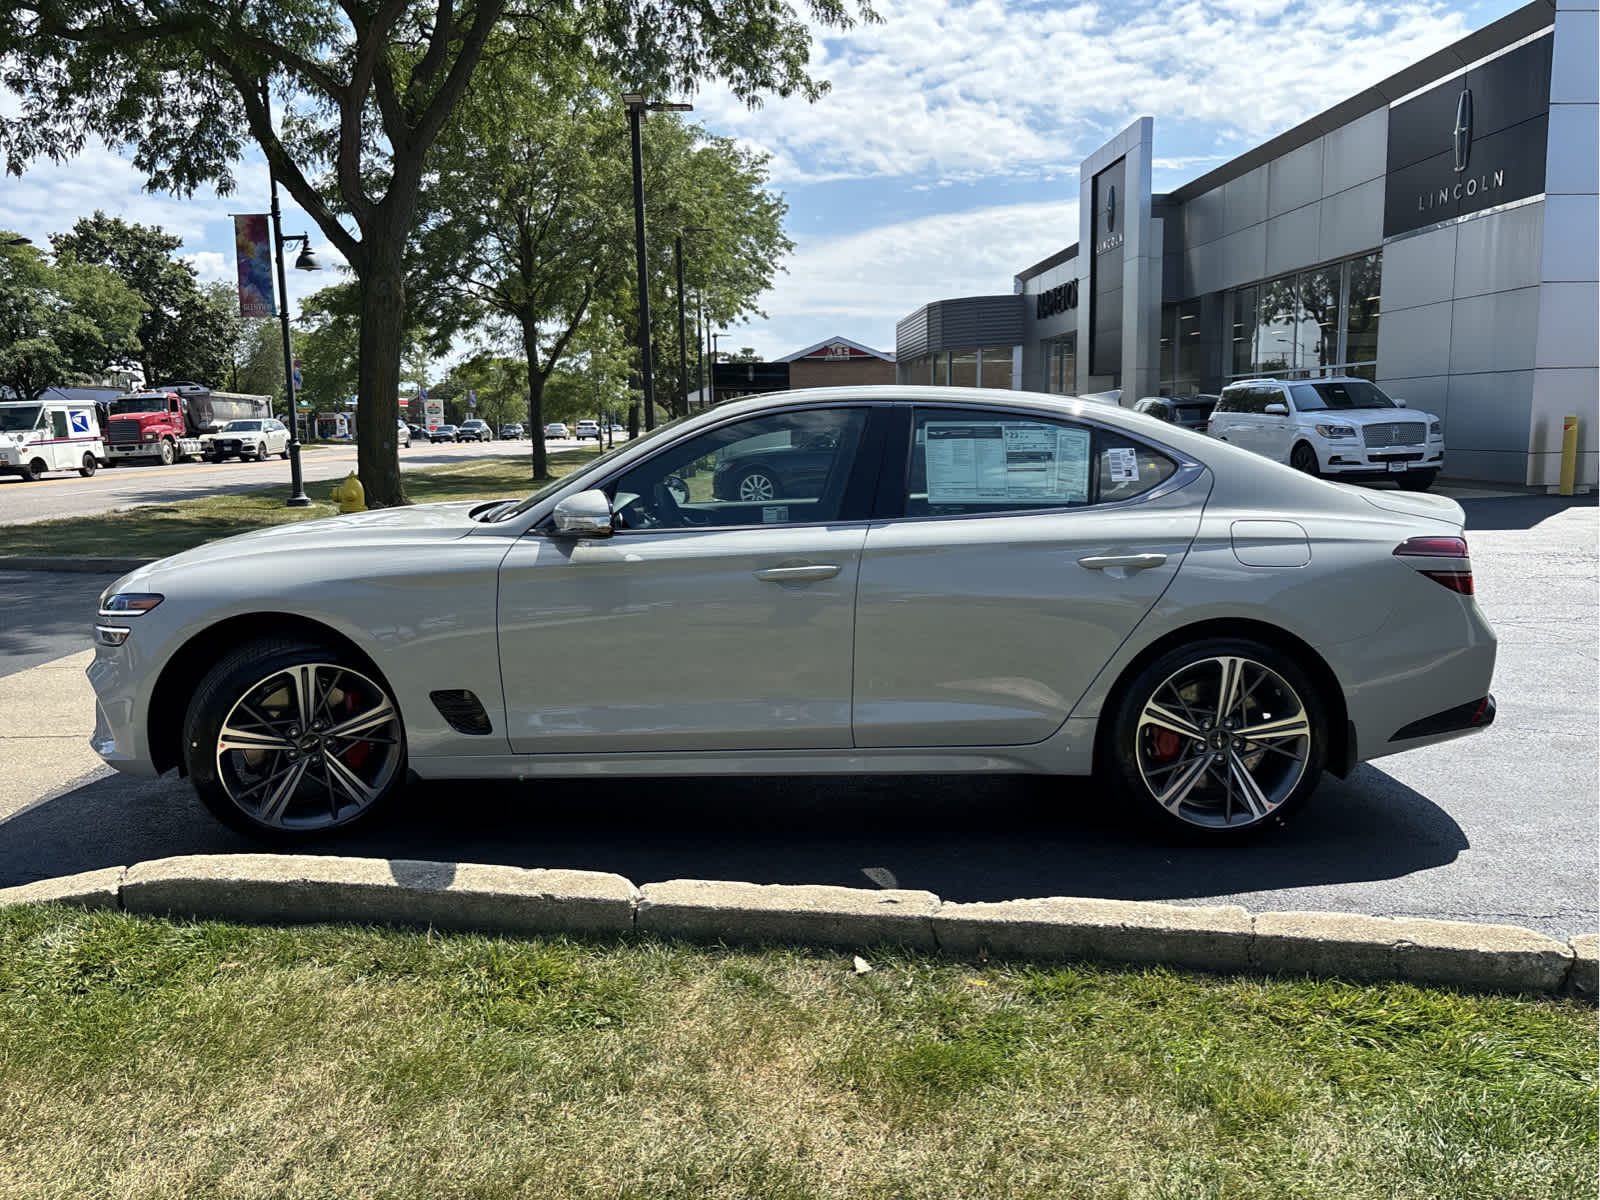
{"x": 683, "y": 348}
{"x": 715, "y": 334}
{"x": 306, "y": 261}
{"x": 637, "y": 107}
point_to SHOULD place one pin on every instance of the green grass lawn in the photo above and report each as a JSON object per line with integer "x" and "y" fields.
{"x": 156, "y": 530}
{"x": 151, "y": 1058}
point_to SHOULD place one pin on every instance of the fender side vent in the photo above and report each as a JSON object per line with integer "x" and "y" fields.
{"x": 462, "y": 710}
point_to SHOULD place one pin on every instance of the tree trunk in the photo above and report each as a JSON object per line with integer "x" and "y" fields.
{"x": 530, "y": 349}
{"x": 383, "y": 312}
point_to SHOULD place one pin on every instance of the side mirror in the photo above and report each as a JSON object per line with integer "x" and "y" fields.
{"x": 1398, "y": 403}
{"x": 1276, "y": 410}
{"x": 588, "y": 514}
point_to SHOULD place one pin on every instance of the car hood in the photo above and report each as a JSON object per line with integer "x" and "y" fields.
{"x": 1415, "y": 504}
{"x": 385, "y": 526}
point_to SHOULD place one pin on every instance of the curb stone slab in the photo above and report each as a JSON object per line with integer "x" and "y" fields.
{"x": 306, "y": 888}
{"x": 1584, "y": 982}
{"x": 705, "y": 910}
{"x": 89, "y": 889}
{"x": 1211, "y": 938}
{"x": 1454, "y": 953}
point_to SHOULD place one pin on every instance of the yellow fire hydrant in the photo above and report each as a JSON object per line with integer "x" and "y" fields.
{"x": 350, "y": 495}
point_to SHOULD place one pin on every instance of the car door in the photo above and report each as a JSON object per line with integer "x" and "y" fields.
{"x": 701, "y": 624}
{"x": 1022, "y": 552}
{"x": 1276, "y": 429}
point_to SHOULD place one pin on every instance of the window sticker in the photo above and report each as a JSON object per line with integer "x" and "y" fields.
{"x": 775, "y": 514}
{"x": 1001, "y": 461}
{"x": 1124, "y": 464}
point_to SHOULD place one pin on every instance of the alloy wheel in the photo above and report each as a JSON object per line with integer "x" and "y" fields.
{"x": 1223, "y": 742}
{"x": 756, "y": 487}
{"x": 309, "y": 747}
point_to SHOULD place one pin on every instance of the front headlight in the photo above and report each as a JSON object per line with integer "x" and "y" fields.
{"x": 149, "y": 435}
{"x": 1435, "y": 429}
{"x": 129, "y": 604}
{"x": 1336, "y": 431}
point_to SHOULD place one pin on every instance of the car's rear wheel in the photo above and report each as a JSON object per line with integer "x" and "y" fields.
{"x": 1304, "y": 458}
{"x": 1417, "y": 481}
{"x": 755, "y": 487}
{"x": 287, "y": 741}
{"x": 1221, "y": 738}
{"x": 90, "y": 466}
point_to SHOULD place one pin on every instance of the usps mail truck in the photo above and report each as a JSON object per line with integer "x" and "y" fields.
{"x": 49, "y": 435}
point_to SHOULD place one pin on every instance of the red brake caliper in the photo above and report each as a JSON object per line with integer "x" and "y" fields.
{"x": 1164, "y": 745}
{"x": 357, "y": 754}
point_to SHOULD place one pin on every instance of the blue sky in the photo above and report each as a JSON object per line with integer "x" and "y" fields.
{"x": 945, "y": 157}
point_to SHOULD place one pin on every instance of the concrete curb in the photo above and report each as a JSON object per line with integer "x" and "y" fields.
{"x": 81, "y": 566}
{"x": 516, "y": 900}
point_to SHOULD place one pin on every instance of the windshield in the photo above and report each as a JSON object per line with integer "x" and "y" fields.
{"x": 242, "y": 427}
{"x": 1349, "y": 393}
{"x": 594, "y": 467}
{"x": 19, "y": 420}
{"x": 138, "y": 404}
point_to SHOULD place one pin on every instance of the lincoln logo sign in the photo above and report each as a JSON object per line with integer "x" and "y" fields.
{"x": 1112, "y": 239}
{"x": 1463, "y": 132}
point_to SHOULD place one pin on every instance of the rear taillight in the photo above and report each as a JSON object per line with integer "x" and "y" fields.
{"x": 1456, "y": 578}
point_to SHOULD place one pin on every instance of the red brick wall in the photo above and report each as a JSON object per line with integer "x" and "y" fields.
{"x": 813, "y": 372}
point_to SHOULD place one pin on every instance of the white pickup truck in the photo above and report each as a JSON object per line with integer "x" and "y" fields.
{"x": 49, "y": 435}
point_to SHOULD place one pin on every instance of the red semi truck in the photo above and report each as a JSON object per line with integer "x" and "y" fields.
{"x": 174, "y": 422}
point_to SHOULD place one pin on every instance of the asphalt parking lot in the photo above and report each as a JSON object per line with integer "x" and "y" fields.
{"x": 1502, "y": 827}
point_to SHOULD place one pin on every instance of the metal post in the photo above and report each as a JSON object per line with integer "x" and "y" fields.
{"x": 635, "y": 117}
{"x": 683, "y": 349}
{"x": 297, "y": 486}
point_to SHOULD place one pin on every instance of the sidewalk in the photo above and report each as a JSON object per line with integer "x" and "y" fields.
{"x": 46, "y": 717}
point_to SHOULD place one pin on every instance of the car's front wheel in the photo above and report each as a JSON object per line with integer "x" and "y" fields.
{"x": 1219, "y": 738}
{"x": 1304, "y": 458}
{"x": 287, "y": 740}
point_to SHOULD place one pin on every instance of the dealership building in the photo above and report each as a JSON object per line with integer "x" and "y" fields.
{"x": 1438, "y": 233}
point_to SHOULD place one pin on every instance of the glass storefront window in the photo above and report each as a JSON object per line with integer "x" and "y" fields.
{"x": 1187, "y": 339}
{"x": 1061, "y": 365}
{"x": 1242, "y": 331}
{"x": 1169, "y": 355}
{"x": 1317, "y": 330}
{"x": 1361, "y": 321}
{"x": 996, "y": 371}
{"x": 963, "y": 368}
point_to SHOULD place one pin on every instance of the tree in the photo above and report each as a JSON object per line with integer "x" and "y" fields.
{"x": 189, "y": 83}
{"x": 60, "y": 321}
{"x": 182, "y": 335}
{"x": 255, "y": 350}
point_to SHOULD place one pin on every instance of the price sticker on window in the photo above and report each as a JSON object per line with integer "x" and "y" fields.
{"x": 1124, "y": 464}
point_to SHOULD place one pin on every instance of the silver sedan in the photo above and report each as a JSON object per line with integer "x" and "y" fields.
{"x": 942, "y": 580}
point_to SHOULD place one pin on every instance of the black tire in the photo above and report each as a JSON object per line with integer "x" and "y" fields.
{"x": 301, "y": 779}
{"x": 31, "y": 470}
{"x": 261, "y": 453}
{"x": 284, "y": 454}
{"x": 1304, "y": 458}
{"x": 90, "y": 466}
{"x": 1190, "y": 773}
{"x": 1417, "y": 481}
{"x": 756, "y": 486}
{"x": 168, "y": 453}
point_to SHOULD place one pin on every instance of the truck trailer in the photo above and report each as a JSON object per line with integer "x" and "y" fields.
{"x": 175, "y": 422}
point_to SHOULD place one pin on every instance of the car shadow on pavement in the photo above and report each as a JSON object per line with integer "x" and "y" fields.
{"x": 1518, "y": 512}
{"x": 963, "y": 838}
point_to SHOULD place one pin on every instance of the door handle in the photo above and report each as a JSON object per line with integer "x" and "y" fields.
{"x": 797, "y": 574}
{"x": 1129, "y": 563}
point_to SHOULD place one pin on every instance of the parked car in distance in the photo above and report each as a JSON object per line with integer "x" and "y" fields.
{"x": 512, "y": 429}
{"x": 618, "y": 429}
{"x": 555, "y": 430}
{"x": 474, "y": 430}
{"x": 586, "y": 429}
{"x": 1205, "y": 629}
{"x": 403, "y": 434}
{"x": 250, "y": 439}
{"x": 1192, "y": 412}
{"x": 1342, "y": 428}
{"x": 419, "y": 433}
{"x": 444, "y": 433}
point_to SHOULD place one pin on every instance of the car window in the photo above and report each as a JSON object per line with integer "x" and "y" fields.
{"x": 1269, "y": 395}
{"x": 985, "y": 461}
{"x": 777, "y": 469}
{"x": 1234, "y": 400}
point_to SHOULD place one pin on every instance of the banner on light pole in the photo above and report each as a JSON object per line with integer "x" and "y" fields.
{"x": 253, "y": 250}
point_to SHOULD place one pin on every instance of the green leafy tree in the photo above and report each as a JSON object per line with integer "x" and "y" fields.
{"x": 60, "y": 321}
{"x": 188, "y": 84}
{"x": 182, "y": 334}
{"x": 255, "y": 350}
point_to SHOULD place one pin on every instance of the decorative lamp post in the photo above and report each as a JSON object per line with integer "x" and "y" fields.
{"x": 306, "y": 261}
{"x": 637, "y": 107}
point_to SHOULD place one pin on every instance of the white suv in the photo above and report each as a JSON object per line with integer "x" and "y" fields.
{"x": 1342, "y": 428}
